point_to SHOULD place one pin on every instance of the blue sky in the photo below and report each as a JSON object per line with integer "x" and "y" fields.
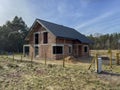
{"x": 86, "y": 16}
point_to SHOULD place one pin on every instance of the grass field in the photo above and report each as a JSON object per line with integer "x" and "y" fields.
{"x": 104, "y": 53}
{"x": 17, "y": 75}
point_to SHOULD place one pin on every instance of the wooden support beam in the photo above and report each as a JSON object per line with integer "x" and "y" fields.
{"x": 93, "y": 61}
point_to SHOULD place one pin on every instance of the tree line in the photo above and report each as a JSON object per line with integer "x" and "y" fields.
{"x": 107, "y": 41}
{"x": 12, "y": 35}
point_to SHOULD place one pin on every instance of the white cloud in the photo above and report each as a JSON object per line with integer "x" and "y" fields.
{"x": 96, "y": 19}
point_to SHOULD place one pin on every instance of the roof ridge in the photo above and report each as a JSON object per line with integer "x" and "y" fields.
{"x": 54, "y": 23}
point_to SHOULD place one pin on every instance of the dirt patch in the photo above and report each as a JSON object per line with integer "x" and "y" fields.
{"x": 70, "y": 59}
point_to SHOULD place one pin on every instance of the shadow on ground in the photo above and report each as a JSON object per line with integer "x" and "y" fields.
{"x": 109, "y": 73}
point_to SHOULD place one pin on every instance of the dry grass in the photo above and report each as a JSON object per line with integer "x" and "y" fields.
{"x": 21, "y": 75}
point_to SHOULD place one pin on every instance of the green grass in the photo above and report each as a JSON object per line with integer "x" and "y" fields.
{"x": 17, "y": 75}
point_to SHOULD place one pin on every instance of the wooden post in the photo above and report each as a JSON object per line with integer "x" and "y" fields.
{"x": 31, "y": 59}
{"x": 111, "y": 59}
{"x": 64, "y": 54}
{"x": 13, "y": 56}
{"x": 96, "y": 59}
{"x": 77, "y": 49}
{"x": 117, "y": 58}
{"x": 110, "y": 52}
{"x": 63, "y": 60}
{"x": 23, "y": 51}
{"x": 7, "y": 54}
{"x": 21, "y": 58}
{"x": 45, "y": 57}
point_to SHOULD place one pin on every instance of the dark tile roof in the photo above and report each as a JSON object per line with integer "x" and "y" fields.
{"x": 64, "y": 32}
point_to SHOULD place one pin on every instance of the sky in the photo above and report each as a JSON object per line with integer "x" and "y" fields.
{"x": 86, "y": 16}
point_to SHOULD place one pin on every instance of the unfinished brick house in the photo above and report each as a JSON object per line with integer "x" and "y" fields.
{"x": 53, "y": 41}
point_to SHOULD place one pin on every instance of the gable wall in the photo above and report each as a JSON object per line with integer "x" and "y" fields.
{"x": 43, "y": 48}
{"x": 40, "y": 29}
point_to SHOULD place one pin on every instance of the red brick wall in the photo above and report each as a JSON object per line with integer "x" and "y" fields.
{"x": 85, "y": 53}
{"x": 63, "y": 41}
{"x": 76, "y": 50}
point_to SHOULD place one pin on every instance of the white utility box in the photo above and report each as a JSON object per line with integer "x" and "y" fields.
{"x": 98, "y": 66}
